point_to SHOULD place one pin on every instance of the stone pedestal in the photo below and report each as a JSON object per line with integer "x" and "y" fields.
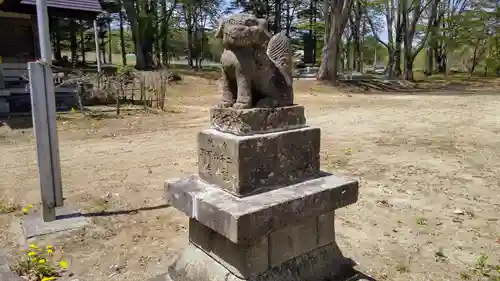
{"x": 260, "y": 208}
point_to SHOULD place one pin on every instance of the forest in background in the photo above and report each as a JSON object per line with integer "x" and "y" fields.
{"x": 336, "y": 35}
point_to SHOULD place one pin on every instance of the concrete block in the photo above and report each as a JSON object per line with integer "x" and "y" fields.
{"x": 292, "y": 241}
{"x": 243, "y": 219}
{"x": 66, "y": 219}
{"x": 247, "y": 165}
{"x": 243, "y": 260}
{"x": 5, "y": 273}
{"x": 251, "y": 121}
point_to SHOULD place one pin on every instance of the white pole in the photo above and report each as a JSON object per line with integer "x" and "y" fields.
{"x": 43, "y": 108}
{"x": 97, "y": 51}
{"x": 43, "y": 31}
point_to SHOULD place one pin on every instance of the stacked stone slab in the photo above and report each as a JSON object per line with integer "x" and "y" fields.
{"x": 259, "y": 208}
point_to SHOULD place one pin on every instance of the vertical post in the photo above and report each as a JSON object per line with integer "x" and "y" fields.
{"x": 43, "y": 30}
{"x": 44, "y": 119}
{"x": 97, "y": 51}
{"x": 97, "y": 54}
{"x": 44, "y": 122}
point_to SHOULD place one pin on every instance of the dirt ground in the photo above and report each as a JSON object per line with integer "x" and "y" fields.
{"x": 427, "y": 164}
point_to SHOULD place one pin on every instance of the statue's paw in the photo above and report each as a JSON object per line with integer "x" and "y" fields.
{"x": 225, "y": 104}
{"x": 241, "y": 105}
{"x": 267, "y": 103}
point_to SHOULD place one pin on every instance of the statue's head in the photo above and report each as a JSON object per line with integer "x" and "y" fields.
{"x": 243, "y": 30}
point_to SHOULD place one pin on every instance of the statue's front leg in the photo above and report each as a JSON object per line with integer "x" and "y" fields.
{"x": 244, "y": 95}
{"x": 226, "y": 90}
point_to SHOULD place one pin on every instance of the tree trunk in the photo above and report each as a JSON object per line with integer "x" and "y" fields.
{"x": 190, "y": 47}
{"x": 277, "y": 16}
{"x": 356, "y": 28}
{"x": 337, "y": 14}
{"x": 408, "y": 66}
{"x": 390, "y": 69}
{"x": 147, "y": 26}
{"x": 103, "y": 49}
{"x": 189, "y": 21}
{"x": 155, "y": 32}
{"x": 397, "y": 48}
{"x": 314, "y": 37}
{"x": 430, "y": 55}
{"x": 162, "y": 41}
{"x": 429, "y": 61}
{"x": 110, "y": 41}
{"x": 440, "y": 58}
{"x": 82, "y": 41}
{"x": 122, "y": 38}
{"x": 132, "y": 16}
{"x": 347, "y": 50}
{"x": 57, "y": 47}
{"x": 73, "y": 41}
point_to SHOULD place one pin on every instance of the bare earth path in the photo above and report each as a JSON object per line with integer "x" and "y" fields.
{"x": 428, "y": 167}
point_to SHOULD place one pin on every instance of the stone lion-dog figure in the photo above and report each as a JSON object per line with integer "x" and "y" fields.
{"x": 256, "y": 66}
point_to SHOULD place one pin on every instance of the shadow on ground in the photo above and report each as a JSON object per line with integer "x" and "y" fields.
{"x": 113, "y": 213}
{"x": 17, "y": 122}
{"x": 391, "y": 87}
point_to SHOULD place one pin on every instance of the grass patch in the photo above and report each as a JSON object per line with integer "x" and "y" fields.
{"x": 465, "y": 276}
{"x": 39, "y": 264}
{"x": 402, "y": 268}
{"x": 422, "y": 221}
{"x": 7, "y": 208}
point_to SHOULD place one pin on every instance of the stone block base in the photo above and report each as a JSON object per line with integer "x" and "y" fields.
{"x": 257, "y": 120}
{"x": 324, "y": 263}
{"x": 270, "y": 250}
{"x": 247, "y": 165}
{"x": 242, "y": 220}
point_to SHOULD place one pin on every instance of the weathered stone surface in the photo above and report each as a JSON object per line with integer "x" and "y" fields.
{"x": 325, "y": 263}
{"x": 247, "y": 165}
{"x": 256, "y": 66}
{"x": 326, "y": 229}
{"x": 243, "y": 260}
{"x": 293, "y": 241}
{"x": 244, "y": 122}
{"x": 244, "y": 219}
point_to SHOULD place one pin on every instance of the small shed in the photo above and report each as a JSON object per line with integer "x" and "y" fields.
{"x": 18, "y": 26}
{"x": 19, "y": 37}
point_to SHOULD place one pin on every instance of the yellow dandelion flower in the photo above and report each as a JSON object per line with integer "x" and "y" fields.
{"x": 30, "y": 206}
{"x": 32, "y": 254}
{"x": 41, "y": 261}
{"x": 50, "y": 251}
{"x": 25, "y": 211}
{"x": 48, "y": 278}
{"x": 33, "y": 246}
{"x": 50, "y": 247}
{"x": 63, "y": 264}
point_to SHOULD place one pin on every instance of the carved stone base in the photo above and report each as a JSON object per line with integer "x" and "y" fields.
{"x": 247, "y": 165}
{"x": 244, "y": 122}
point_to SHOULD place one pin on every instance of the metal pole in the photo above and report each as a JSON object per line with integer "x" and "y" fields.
{"x": 43, "y": 31}
{"x": 97, "y": 51}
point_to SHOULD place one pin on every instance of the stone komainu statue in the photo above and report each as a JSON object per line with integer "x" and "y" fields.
{"x": 256, "y": 66}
